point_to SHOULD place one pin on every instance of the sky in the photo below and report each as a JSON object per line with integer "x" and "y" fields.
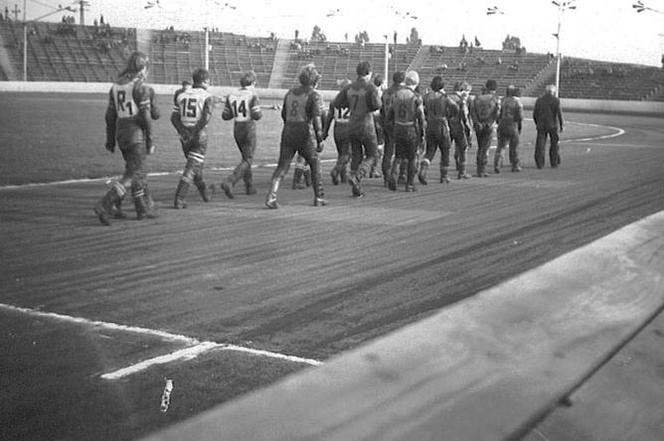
{"x": 608, "y": 30}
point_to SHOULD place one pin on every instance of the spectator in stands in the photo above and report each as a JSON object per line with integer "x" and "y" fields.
{"x": 509, "y": 129}
{"x": 191, "y": 114}
{"x": 302, "y": 114}
{"x": 341, "y": 140}
{"x": 484, "y": 113}
{"x": 662, "y": 61}
{"x": 243, "y": 106}
{"x": 548, "y": 119}
{"x": 128, "y": 123}
{"x": 363, "y": 94}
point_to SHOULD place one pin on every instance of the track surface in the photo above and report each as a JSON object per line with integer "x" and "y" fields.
{"x": 303, "y": 281}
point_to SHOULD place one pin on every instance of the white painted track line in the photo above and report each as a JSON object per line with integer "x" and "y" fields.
{"x": 194, "y": 347}
{"x": 183, "y": 354}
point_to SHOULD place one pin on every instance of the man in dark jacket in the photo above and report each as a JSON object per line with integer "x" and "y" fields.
{"x": 548, "y": 120}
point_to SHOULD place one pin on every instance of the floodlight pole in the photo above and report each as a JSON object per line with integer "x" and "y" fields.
{"x": 25, "y": 42}
{"x": 562, "y": 6}
{"x": 387, "y": 57}
{"x": 558, "y": 53}
{"x": 207, "y": 48}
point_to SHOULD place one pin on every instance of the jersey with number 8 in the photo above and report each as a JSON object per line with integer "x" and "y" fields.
{"x": 296, "y": 108}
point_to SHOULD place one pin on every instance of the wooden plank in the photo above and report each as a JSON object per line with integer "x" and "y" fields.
{"x": 622, "y": 401}
{"x": 487, "y": 368}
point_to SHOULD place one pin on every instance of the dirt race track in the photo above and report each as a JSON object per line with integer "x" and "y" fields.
{"x": 302, "y": 281}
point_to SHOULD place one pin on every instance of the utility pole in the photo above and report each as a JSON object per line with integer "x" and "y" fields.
{"x": 387, "y": 59}
{"x": 25, "y": 40}
{"x": 562, "y": 7}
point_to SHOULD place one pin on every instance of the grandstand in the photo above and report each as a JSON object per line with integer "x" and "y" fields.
{"x": 68, "y": 52}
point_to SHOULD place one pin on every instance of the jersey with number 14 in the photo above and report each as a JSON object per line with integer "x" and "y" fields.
{"x": 242, "y": 105}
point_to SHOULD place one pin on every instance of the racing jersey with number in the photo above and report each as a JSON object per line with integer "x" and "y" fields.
{"x": 407, "y": 109}
{"x": 129, "y": 103}
{"x": 458, "y": 116}
{"x": 436, "y": 109}
{"x": 302, "y": 110}
{"x": 242, "y": 105}
{"x": 511, "y": 113}
{"x": 387, "y": 98}
{"x": 191, "y": 104}
{"x": 485, "y": 108}
{"x": 341, "y": 115}
{"x": 361, "y": 98}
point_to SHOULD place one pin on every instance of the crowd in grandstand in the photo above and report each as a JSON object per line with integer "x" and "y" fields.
{"x": 405, "y": 124}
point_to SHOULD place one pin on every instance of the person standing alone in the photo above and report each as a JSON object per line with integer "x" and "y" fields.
{"x": 549, "y": 121}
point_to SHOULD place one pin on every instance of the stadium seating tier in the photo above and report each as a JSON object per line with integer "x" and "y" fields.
{"x": 66, "y": 52}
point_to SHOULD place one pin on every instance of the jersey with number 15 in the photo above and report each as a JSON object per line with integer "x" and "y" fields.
{"x": 191, "y": 105}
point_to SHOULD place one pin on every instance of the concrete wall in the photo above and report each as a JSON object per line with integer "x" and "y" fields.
{"x": 650, "y": 108}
